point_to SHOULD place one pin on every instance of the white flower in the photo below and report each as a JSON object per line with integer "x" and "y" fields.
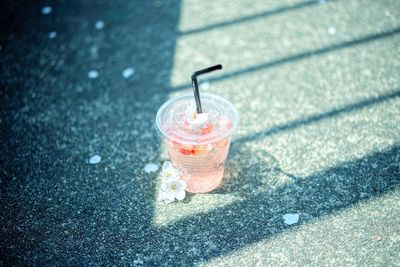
{"x": 167, "y": 165}
{"x": 169, "y": 172}
{"x": 172, "y": 189}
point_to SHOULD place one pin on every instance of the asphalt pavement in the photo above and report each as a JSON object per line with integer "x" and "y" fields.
{"x": 313, "y": 175}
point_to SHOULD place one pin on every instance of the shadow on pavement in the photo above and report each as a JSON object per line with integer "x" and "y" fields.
{"x": 249, "y": 171}
{"x": 299, "y": 56}
{"x": 264, "y": 14}
{"x": 259, "y": 216}
{"x": 56, "y": 208}
{"x": 59, "y": 210}
{"x": 318, "y": 117}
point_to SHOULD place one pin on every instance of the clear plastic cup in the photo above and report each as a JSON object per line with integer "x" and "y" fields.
{"x": 198, "y": 144}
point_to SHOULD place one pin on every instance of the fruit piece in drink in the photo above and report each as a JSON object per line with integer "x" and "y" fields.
{"x": 201, "y": 149}
{"x": 222, "y": 143}
{"x": 207, "y": 129}
{"x": 185, "y": 149}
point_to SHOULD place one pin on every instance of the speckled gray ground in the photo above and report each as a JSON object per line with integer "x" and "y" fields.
{"x": 318, "y": 88}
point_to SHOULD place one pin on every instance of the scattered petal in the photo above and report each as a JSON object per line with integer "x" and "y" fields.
{"x": 290, "y": 219}
{"x": 95, "y": 159}
{"x": 128, "y": 72}
{"x": 52, "y": 35}
{"x": 46, "y": 10}
{"x": 167, "y": 165}
{"x": 150, "y": 167}
{"x": 166, "y": 197}
{"x": 99, "y": 24}
{"x": 332, "y": 30}
{"x": 180, "y": 195}
{"x": 93, "y": 74}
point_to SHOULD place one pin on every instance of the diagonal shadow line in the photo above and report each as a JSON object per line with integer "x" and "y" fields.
{"x": 300, "y": 56}
{"x": 259, "y": 217}
{"x": 267, "y": 13}
{"x": 318, "y": 117}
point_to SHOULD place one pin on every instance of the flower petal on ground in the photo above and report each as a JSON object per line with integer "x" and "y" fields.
{"x": 128, "y": 72}
{"x": 290, "y": 219}
{"x": 99, "y": 24}
{"x": 93, "y": 74}
{"x": 95, "y": 159}
{"x": 150, "y": 167}
{"x": 46, "y": 10}
{"x": 166, "y": 165}
{"x": 180, "y": 195}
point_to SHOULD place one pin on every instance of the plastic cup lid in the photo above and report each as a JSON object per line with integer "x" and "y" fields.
{"x": 178, "y": 121}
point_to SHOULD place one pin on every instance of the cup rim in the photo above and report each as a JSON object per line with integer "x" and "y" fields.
{"x": 165, "y": 135}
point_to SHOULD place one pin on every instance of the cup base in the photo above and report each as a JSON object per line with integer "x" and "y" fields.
{"x": 204, "y": 183}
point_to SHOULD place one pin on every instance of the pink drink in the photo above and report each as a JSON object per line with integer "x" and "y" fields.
{"x": 205, "y": 166}
{"x": 198, "y": 144}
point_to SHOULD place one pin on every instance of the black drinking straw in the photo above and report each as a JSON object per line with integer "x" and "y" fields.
{"x": 196, "y": 86}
